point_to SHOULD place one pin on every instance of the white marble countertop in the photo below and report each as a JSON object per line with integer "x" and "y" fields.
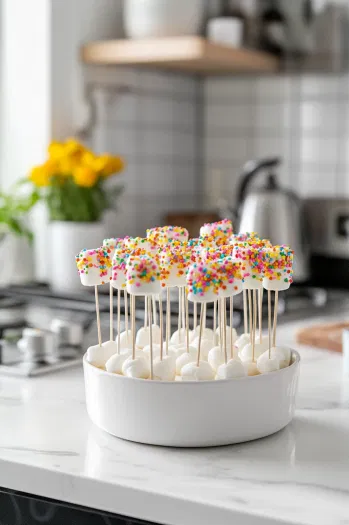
{"x": 49, "y": 447}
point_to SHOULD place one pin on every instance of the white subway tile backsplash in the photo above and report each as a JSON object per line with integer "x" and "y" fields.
{"x": 273, "y": 116}
{"x": 273, "y": 88}
{"x": 319, "y": 150}
{"x": 156, "y": 144}
{"x": 301, "y": 118}
{"x": 320, "y": 117}
{"x": 230, "y": 115}
{"x": 156, "y": 110}
{"x": 227, "y": 88}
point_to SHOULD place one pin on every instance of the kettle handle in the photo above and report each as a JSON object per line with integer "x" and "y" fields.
{"x": 250, "y": 170}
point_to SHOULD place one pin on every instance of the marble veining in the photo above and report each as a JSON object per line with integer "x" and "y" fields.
{"x": 299, "y": 476}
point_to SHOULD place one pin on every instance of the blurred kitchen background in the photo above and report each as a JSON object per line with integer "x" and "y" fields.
{"x": 267, "y": 79}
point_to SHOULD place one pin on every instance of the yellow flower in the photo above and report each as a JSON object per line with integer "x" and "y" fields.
{"x": 56, "y": 150}
{"x": 108, "y": 165}
{"x": 88, "y": 159}
{"x": 67, "y": 165}
{"x": 73, "y": 147}
{"x": 41, "y": 175}
{"x": 85, "y": 176}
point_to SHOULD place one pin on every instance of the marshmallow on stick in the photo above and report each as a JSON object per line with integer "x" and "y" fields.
{"x": 252, "y": 258}
{"x": 278, "y": 267}
{"x": 94, "y": 266}
{"x": 174, "y": 260}
{"x": 94, "y": 269}
{"x": 164, "y": 234}
{"x": 221, "y": 231}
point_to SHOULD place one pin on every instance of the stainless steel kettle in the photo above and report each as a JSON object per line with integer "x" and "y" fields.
{"x": 273, "y": 212}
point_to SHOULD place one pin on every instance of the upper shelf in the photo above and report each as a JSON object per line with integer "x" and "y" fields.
{"x": 190, "y": 54}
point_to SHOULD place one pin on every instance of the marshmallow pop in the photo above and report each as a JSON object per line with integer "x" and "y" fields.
{"x": 118, "y": 281}
{"x": 221, "y": 231}
{"x": 143, "y": 279}
{"x": 175, "y": 259}
{"x": 278, "y": 272}
{"x": 113, "y": 244}
{"x": 94, "y": 269}
{"x": 203, "y": 284}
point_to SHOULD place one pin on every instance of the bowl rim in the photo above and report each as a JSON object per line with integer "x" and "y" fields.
{"x": 259, "y": 377}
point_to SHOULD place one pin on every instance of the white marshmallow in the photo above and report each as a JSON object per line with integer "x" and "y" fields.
{"x": 192, "y": 372}
{"x": 138, "y": 367}
{"x": 207, "y": 333}
{"x": 94, "y": 266}
{"x": 143, "y": 336}
{"x": 266, "y": 365}
{"x": 206, "y": 345}
{"x": 274, "y": 285}
{"x": 179, "y": 336}
{"x": 99, "y": 355}
{"x": 215, "y": 357}
{"x": 202, "y": 279}
{"x": 143, "y": 276}
{"x": 251, "y": 368}
{"x": 232, "y": 370}
{"x": 185, "y": 358}
{"x": 125, "y": 339}
{"x": 246, "y": 353}
{"x": 283, "y": 353}
{"x": 235, "y": 335}
{"x": 242, "y": 341}
{"x": 178, "y": 350}
{"x": 164, "y": 370}
{"x": 156, "y": 351}
{"x": 116, "y": 361}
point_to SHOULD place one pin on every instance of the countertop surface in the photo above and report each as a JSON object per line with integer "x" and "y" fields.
{"x": 49, "y": 447}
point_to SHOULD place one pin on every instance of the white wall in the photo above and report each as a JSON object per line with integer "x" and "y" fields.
{"x": 25, "y": 96}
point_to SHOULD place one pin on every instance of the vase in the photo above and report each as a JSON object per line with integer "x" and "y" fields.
{"x": 159, "y": 18}
{"x": 66, "y": 240}
{"x": 16, "y": 260}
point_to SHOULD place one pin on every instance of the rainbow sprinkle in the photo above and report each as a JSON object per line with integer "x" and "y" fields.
{"x": 95, "y": 258}
{"x": 278, "y": 263}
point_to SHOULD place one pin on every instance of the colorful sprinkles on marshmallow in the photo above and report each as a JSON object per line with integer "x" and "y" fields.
{"x": 98, "y": 258}
{"x": 221, "y": 231}
{"x": 278, "y": 262}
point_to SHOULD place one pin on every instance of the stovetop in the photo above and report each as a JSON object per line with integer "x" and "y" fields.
{"x": 36, "y": 306}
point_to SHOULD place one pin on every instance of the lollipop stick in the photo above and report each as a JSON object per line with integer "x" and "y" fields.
{"x": 250, "y": 313}
{"x": 231, "y": 321}
{"x": 98, "y": 317}
{"x": 276, "y": 303}
{"x": 150, "y": 336}
{"x": 161, "y": 321}
{"x": 220, "y": 321}
{"x": 133, "y": 325}
{"x": 145, "y": 314}
{"x": 195, "y": 315}
{"x": 187, "y": 318}
{"x": 202, "y": 315}
{"x": 126, "y": 311}
{"x": 168, "y": 318}
{"x": 119, "y": 301}
{"x": 244, "y": 295}
{"x": 224, "y": 309}
{"x": 154, "y": 310}
{"x": 254, "y": 324}
{"x": 111, "y": 312}
{"x": 183, "y": 308}
{"x": 260, "y": 312}
{"x": 179, "y": 314}
{"x": 269, "y": 322}
{"x": 214, "y": 321}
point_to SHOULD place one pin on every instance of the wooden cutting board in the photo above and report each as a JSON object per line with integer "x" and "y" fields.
{"x": 327, "y": 336}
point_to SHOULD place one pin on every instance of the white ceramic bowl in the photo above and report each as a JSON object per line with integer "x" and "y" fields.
{"x": 191, "y": 414}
